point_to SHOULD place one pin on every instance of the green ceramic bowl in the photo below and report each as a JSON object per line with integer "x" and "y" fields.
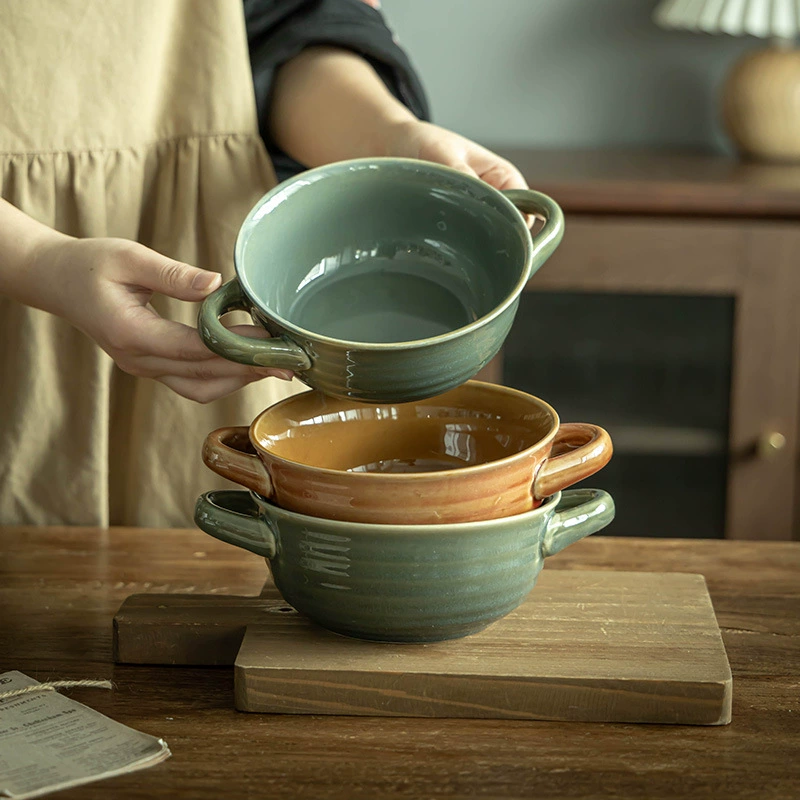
{"x": 382, "y": 280}
{"x": 403, "y": 583}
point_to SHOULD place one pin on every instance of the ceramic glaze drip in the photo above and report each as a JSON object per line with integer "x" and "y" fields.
{"x": 383, "y": 305}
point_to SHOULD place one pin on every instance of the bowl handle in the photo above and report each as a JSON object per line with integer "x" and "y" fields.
{"x": 579, "y": 513}
{"x": 587, "y": 448}
{"x": 549, "y": 237}
{"x": 234, "y": 517}
{"x": 278, "y": 352}
{"x": 228, "y": 452}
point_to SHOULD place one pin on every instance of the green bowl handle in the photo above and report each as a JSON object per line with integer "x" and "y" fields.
{"x": 549, "y": 237}
{"x": 579, "y": 513}
{"x": 278, "y": 352}
{"x": 234, "y": 517}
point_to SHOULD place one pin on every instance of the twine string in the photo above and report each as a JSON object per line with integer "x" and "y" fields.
{"x": 51, "y": 686}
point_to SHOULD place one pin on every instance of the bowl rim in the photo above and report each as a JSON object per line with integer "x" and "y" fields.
{"x": 282, "y": 191}
{"x": 549, "y": 505}
{"x": 409, "y": 477}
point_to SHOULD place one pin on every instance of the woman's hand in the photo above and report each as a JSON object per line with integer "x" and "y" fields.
{"x": 415, "y": 139}
{"x": 329, "y": 104}
{"x": 104, "y": 287}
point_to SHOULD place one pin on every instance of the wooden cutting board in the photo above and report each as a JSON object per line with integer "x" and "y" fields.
{"x": 584, "y": 646}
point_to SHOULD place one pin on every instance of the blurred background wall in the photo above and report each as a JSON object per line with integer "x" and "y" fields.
{"x": 565, "y": 73}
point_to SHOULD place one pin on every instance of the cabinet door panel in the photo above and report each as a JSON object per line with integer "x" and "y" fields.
{"x": 757, "y": 263}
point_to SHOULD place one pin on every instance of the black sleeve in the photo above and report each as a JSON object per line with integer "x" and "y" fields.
{"x": 277, "y": 30}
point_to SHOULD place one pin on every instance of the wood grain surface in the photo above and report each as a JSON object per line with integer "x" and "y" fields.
{"x": 585, "y": 646}
{"x": 60, "y": 588}
{"x": 678, "y": 183}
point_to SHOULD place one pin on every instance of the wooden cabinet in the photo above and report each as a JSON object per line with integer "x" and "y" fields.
{"x": 684, "y": 226}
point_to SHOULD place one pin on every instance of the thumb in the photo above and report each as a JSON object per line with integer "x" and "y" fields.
{"x": 178, "y": 280}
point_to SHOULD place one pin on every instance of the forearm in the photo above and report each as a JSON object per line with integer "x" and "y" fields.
{"x": 21, "y": 237}
{"x": 328, "y": 104}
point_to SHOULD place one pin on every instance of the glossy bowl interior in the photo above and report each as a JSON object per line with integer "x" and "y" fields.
{"x": 381, "y": 251}
{"x": 477, "y": 452}
{"x": 475, "y": 424}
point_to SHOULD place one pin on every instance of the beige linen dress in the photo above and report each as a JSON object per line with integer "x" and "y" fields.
{"x": 136, "y": 119}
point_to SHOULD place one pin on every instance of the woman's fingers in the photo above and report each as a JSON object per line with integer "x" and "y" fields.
{"x": 155, "y": 272}
{"x": 159, "y": 348}
{"x": 205, "y": 391}
{"x": 209, "y": 369}
{"x": 145, "y": 333}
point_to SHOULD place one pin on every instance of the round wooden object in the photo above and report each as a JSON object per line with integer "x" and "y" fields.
{"x": 761, "y": 104}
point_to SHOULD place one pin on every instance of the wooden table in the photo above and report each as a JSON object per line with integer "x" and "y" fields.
{"x": 60, "y": 587}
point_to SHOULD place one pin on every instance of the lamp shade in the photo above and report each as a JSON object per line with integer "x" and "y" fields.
{"x": 767, "y": 19}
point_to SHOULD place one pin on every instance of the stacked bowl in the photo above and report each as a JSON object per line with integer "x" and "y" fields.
{"x": 397, "y": 499}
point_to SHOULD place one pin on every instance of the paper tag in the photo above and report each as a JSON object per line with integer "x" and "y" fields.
{"x": 49, "y": 742}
